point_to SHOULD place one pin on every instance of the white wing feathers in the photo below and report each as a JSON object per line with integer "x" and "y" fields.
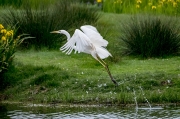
{"x": 69, "y": 46}
{"x": 90, "y": 27}
{"x": 90, "y": 42}
{"x": 94, "y": 35}
{"x": 79, "y": 42}
{"x": 102, "y": 52}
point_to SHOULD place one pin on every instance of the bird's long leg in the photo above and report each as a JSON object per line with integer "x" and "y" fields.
{"x": 107, "y": 69}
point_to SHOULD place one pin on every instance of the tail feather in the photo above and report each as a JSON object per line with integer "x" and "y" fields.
{"x": 102, "y": 52}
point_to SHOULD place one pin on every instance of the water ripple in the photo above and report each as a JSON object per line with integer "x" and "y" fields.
{"x": 92, "y": 113}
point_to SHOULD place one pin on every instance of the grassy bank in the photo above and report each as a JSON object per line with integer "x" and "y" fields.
{"x": 53, "y": 77}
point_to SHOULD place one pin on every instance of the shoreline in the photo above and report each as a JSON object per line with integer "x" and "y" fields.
{"x": 72, "y": 105}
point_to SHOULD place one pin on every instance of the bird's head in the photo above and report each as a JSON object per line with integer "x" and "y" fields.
{"x": 62, "y": 32}
{"x": 59, "y": 31}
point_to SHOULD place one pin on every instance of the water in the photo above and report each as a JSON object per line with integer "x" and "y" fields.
{"x": 92, "y": 112}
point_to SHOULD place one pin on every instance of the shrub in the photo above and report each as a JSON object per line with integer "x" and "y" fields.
{"x": 8, "y": 46}
{"x": 151, "y": 37}
{"x": 39, "y": 21}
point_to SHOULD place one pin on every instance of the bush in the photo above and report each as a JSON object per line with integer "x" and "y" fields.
{"x": 8, "y": 45}
{"x": 7, "y": 48}
{"x": 40, "y": 21}
{"x": 151, "y": 37}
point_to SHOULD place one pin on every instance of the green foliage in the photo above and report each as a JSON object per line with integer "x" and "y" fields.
{"x": 19, "y": 3}
{"x": 8, "y": 45}
{"x": 87, "y": 1}
{"x": 170, "y": 7}
{"x": 41, "y": 20}
{"x": 151, "y": 36}
{"x": 117, "y": 6}
{"x": 7, "y": 48}
{"x": 15, "y": 3}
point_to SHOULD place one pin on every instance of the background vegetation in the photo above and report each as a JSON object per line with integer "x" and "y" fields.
{"x": 38, "y": 21}
{"x": 8, "y": 45}
{"x": 155, "y": 37}
{"x": 49, "y": 76}
{"x": 169, "y": 7}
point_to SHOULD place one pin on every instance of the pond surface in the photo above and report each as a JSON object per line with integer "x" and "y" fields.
{"x": 13, "y": 111}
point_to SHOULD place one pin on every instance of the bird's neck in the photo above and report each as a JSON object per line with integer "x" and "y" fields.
{"x": 67, "y": 35}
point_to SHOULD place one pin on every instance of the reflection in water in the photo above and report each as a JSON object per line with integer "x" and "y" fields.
{"x": 19, "y": 112}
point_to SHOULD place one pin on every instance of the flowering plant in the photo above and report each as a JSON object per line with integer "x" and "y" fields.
{"x": 8, "y": 45}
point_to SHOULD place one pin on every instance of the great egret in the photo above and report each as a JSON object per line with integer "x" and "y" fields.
{"x": 89, "y": 41}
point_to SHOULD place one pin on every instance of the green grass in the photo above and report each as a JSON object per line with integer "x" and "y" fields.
{"x": 54, "y": 77}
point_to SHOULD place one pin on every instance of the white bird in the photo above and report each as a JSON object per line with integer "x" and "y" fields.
{"x": 88, "y": 41}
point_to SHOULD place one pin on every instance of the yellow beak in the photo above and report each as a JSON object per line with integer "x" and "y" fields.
{"x": 54, "y": 32}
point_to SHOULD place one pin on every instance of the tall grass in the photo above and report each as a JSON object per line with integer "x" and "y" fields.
{"x": 14, "y": 3}
{"x": 19, "y": 3}
{"x": 39, "y": 21}
{"x": 152, "y": 36}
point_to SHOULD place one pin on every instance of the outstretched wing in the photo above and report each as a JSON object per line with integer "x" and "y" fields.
{"x": 79, "y": 42}
{"x": 94, "y": 35}
{"x": 90, "y": 27}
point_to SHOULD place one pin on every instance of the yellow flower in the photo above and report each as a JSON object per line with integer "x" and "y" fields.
{"x": 138, "y": 1}
{"x": 3, "y": 38}
{"x": 1, "y": 26}
{"x": 174, "y": 4}
{"x": 11, "y": 31}
{"x": 8, "y": 34}
{"x": 137, "y": 6}
{"x": 153, "y": 7}
{"x": 3, "y": 31}
{"x": 161, "y": 2}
